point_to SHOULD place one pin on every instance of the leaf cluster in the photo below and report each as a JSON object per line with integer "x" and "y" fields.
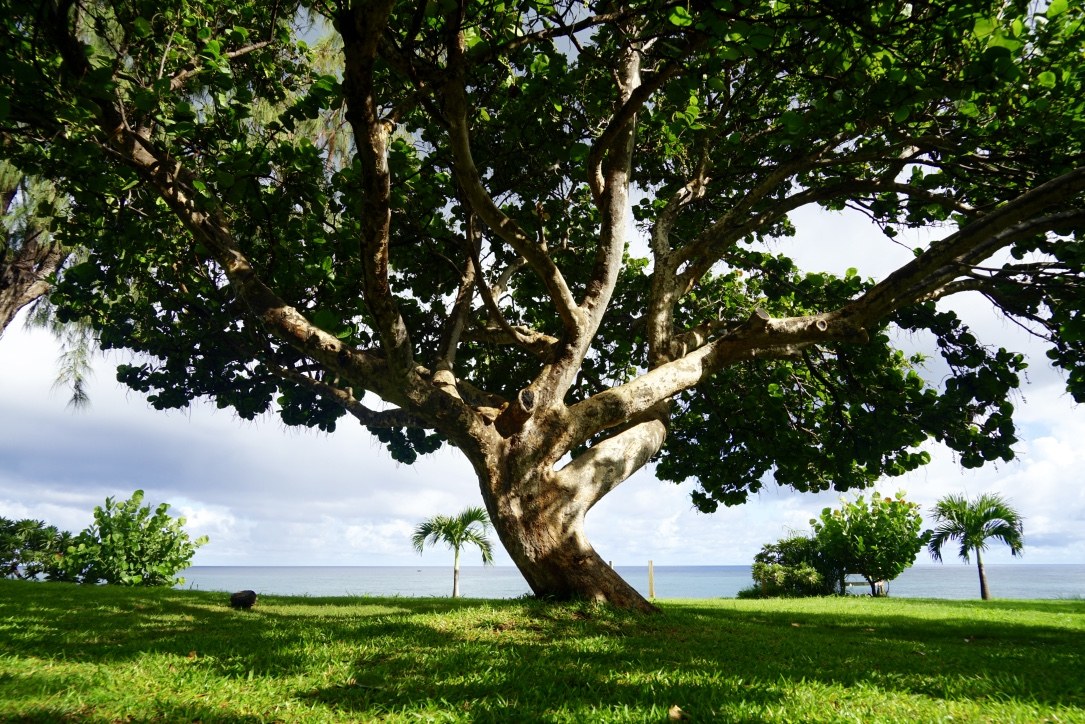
{"x": 878, "y": 539}
{"x": 793, "y": 567}
{"x": 30, "y": 549}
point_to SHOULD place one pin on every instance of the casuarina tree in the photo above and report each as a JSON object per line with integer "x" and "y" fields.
{"x": 29, "y": 255}
{"x": 547, "y": 238}
{"x": 467, "y": 528}
{"x": 973, "y": 524}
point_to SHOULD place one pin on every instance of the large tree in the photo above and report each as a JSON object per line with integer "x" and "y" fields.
{"x": 462, "y": 266}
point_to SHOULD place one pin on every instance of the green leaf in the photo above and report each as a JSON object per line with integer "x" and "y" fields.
{"x": 141, "y": 27}
{"x": 984, "y": 27}
{"x": 680, "y": 16}
{"x": 1056, "y": 8}
{"x": 1047, "y": 79}
{"x": 540, "y": 64}
{"x": 328, "y": 321}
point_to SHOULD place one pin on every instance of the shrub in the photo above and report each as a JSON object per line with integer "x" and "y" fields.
{"x": 30, "y": 548}
{"x": 128, "y": 545}
{"x": 794, "y": 566}
{"x": 877, "y": 540}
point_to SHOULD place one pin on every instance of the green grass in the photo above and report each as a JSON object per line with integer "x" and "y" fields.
{"x": 70, "y": 653}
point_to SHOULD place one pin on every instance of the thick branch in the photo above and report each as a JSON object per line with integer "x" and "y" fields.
{"x": 345, "y": 398}
{"x": 948, "y": 258}
{"x": 632, "y": 101}
{"x": 760, "y": 337}
{"x": 361, "y": 31}
{"x": 610, "y": 462}
{"x": 467, "y": 175}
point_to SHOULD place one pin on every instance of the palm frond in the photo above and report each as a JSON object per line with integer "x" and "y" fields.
{"x": 975, "y": 523}
{"x": 469, "y": 527}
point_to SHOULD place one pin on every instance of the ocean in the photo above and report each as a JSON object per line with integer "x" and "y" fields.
{"x": 952, "y": 581}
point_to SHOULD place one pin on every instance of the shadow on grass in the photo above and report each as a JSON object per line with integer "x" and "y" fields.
{"x": 518, "y": 660}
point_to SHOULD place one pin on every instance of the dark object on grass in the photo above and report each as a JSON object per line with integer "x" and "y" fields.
{"x": 243, "y": 599}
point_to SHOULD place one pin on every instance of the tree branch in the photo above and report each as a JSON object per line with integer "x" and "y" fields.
{"x": 362, "y": 30}
{"x": 760, "y": 337}
{"x": 345, "y": 398}
{"x": 610, "y": 462}
{"x": 178, "y": 79}
{"x": 948, "y": 258}
{"x": 455, "y": 106}
{"x": 535, "y": 342}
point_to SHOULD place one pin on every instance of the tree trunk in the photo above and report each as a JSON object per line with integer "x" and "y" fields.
{"x": 24, "y": 274}
{"x": 456, "y": 575}
{"x": 985, "y": 594}
{"x": 546, "y": 540}
{"x": 537, "y": 504}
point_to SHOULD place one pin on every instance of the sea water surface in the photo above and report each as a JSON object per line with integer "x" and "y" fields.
{"x": 950, "y": 580}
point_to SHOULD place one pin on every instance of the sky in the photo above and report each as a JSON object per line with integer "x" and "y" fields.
{"x": 270, "y": 495}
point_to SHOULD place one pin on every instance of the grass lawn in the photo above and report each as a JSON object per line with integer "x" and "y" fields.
{"x": 70, "y": 653}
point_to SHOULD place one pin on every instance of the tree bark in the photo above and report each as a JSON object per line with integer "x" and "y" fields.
{"x": 985, "y": 593}
{"x": 24, "y": 274}
{"x": 538, "y": 513}
{"x": 547, "y": 543}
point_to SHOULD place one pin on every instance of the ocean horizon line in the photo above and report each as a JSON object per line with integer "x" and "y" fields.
{"x": 933, "y": 580}
{"x": 616, "y": 565}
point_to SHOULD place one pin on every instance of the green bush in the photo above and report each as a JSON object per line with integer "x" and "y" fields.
{"x": 128, "y": 545}
{"x": 25, "y": 547}
{"x": 878, "y": 540}
{"x": 794, "y": 566}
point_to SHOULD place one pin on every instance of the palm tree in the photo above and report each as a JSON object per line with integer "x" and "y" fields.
{"x": 470, "y": 526}
{"x": 973, "y": 523}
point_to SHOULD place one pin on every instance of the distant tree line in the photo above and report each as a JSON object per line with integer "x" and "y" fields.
{"x": 127, "y": 544}
{"x": 879, "y": 540}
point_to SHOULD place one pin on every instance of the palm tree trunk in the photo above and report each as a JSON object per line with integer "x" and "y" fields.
{"x": 456, "y": 574}
{"x": 985, "y": 594}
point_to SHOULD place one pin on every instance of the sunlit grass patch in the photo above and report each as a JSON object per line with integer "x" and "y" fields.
{"x": 105, "y": 654}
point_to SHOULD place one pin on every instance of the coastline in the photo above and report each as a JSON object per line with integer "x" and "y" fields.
{"x": 948, "y": 580}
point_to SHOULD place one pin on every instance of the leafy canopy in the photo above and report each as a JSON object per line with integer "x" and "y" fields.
{"x": 30, "y": 548}
{"x": 468, "y": 528}
{"x": 441, "y": 218}
{"x": 974, "y": 524}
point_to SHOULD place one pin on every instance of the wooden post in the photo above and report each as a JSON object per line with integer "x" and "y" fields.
{"x": 651, "y": 581}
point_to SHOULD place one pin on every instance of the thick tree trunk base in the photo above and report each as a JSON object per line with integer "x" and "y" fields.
{"x": 558, "y": 563}
{"x": 586, "y": 578}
